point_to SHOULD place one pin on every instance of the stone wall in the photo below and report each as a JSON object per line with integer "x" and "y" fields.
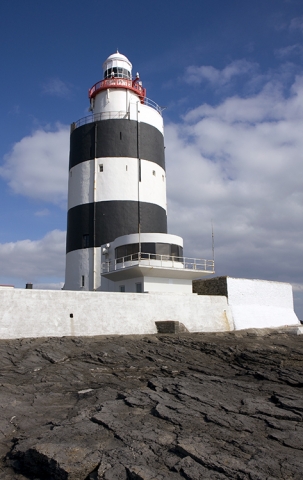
{"x": 211, "y": 286}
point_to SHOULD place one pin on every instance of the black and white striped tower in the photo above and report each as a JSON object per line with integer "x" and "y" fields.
{"x": 117, "y": 182}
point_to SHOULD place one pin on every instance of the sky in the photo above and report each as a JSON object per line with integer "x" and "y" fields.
{"x": 230, "y": 76}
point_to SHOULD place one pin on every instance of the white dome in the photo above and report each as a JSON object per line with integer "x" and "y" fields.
{"x": 117, "y": 60}
{"x": 118, "y": 56}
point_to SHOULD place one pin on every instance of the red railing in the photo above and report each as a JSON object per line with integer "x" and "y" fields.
{"x": 132, "y": 85}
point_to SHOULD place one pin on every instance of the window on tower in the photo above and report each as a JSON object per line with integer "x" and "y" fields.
{"x": 152, "y": 251}
{"x": 101, "y": 167}
{"x": 85, "y": 240}
{"x": 117, "y": 72}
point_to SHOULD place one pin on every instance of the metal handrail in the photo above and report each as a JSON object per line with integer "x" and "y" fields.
{"x": 97, "y": 117}
{"x": 151, "y": 103}
{"x": 156, "y": 260}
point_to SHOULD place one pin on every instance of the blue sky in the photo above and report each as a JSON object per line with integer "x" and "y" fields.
{"x": 230, "y": 74}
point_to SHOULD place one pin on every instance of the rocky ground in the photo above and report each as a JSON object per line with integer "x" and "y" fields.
{"x": 157, "y": 407}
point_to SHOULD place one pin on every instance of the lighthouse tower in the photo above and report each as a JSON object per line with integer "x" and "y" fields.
{"x": 117, "y": 215}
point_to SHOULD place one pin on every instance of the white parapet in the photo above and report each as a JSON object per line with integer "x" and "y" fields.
{"x": 253, "y": 303}
{"x": 260, "y": 303}
{"x": 245, "y": 304}
{"x": 45, "y": 313}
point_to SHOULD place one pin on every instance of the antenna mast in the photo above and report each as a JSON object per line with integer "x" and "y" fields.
{"x": 213, "y": 241}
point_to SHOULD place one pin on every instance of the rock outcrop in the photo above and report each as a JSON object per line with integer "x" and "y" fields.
{"x": 158, "y": 407}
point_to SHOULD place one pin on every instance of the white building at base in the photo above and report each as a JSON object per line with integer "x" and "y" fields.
{"x": 55, "y": 313}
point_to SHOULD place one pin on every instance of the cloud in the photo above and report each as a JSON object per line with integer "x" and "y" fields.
{"x": 290, "y": 50}
{"x": 42, "y": 213}
{"x": 239, "y": 165}
{"x": 297, "y": 287}
{"x": 296, "y": 23}
{"x": 48, "y": 286}
{"x": 196, "y": 75}
{"x": 37, "y": 165}
{"x": 34, "y": 260}
{"x": 15, "y": 110}
{"x": 56, "y": 87}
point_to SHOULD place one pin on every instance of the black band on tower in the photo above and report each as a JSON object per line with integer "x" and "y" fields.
{"x": 116, "y": 138}
{"x": 111, "y": 219}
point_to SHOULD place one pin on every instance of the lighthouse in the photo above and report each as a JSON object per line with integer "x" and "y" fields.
{"x": 117, "y": 236}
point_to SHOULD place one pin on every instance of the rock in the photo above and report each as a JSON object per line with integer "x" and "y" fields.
{"x": 163, "y": 406}
{"x": 64, "y": 452}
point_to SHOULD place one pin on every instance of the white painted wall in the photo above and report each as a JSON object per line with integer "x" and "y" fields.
{"x": 39, "y": 313}
{"x": 118, "y": 181}
{"x": 85, "y": 262}
{"x": 130, "y": 285}
{"x": 119, "y": 103}
{"x": 260, "y": 303}
{"x": 152, "y": 188}
{"x": 149, "y": 285}
{"x": 114, "y": 100}
{"x": 149, "y": 115}
{"x": 173, "y": 285}
{"x": 81, "y": 184}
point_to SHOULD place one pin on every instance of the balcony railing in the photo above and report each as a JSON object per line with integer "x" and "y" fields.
{"x": 112, "y": 114}
{"x": 117, "y": 83}
{"x": 156, "y": 260}
{"x": 97, "y": 117}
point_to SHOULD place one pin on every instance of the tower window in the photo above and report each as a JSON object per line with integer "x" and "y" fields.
{"x": 154, "y": 173}
{"x": 82, "y": 281}
{"x": 117, "y": 72}
{"x": 163, "y": 178}
{"x": 85, "y": 240}
{"x": 126, "y": 167}
{"x": 101, "y": 167}
{"x": 122, "y": 288}
{"x": 120, "y": 135}
{"x": 138, "y": 287}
